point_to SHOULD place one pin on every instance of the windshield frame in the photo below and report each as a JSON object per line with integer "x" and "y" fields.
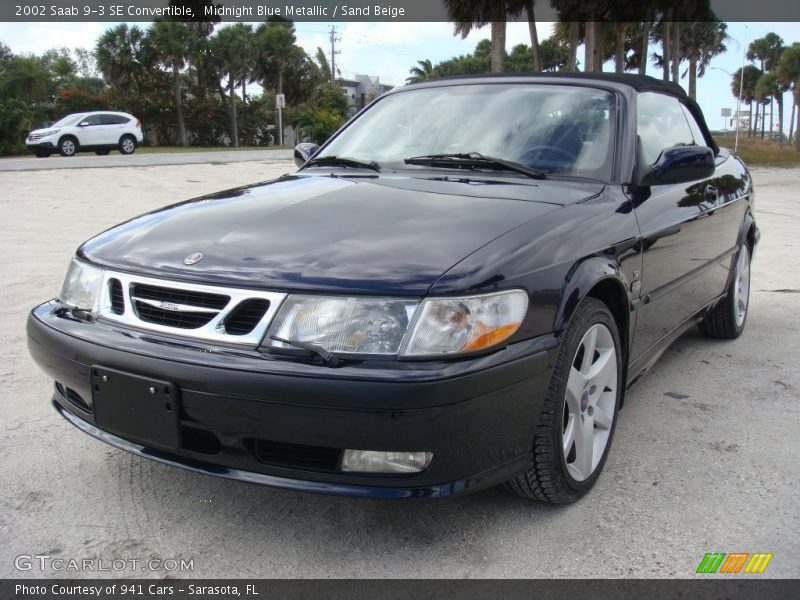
{"x": 618, "y": 130}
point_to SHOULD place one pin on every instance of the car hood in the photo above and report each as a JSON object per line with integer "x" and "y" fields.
{"x": 375, "y": 235}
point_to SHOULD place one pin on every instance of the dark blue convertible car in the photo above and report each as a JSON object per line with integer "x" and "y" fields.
{"x": 454, "y": 291}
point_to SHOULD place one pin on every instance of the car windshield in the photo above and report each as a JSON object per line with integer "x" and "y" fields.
{"x": 67, "y": 121}
{"x": 557, "y": 129}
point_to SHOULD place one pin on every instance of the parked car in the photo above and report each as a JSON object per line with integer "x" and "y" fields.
{"x": 454, "y": 291}
{"x": 99, "y": 132}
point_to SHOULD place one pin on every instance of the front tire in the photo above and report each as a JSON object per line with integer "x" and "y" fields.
{"x": 41, "y": 154}
{"x": 102, "y": 152}
{"x": 727, "y": 319}
{"x": 579, "y": 413}
{"x": 68, "y": 146}
{"x": 127, "y": 144}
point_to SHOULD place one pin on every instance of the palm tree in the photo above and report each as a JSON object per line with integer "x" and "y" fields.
{"x": 27, "y": 78}
{"x": 702, "y": 41}
{"x": 422, "y": 72}
{"x": 469, "y": 14}
{"x": 232, "y": 47}
{"x": 170, "y": 44}
{"x": 788, "y": 71}
{"x": 118, "y": 53}
{"x": 747, "y": 81}
{"x": 276, "y": 51}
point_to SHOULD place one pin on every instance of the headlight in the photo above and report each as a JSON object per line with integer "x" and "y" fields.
{"x": 48, "y": 133}
{"x": 82, "y": 285}
{"x": 460, "y": 325}
{"x": 391, "y": 327}
{"x": 343, "y": 325}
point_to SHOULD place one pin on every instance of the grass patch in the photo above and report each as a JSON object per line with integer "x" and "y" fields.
{"x": 762, "y": 153}
{"x": 182, "y": 150}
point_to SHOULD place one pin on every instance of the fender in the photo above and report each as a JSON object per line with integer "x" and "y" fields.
{"x": 749, "y": 222}
{"x": 583, "y": 276}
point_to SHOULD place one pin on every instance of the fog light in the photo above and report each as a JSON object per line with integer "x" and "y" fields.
{"x": 378, "y": 461}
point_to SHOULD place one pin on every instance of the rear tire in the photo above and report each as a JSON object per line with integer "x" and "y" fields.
{"x": 727, "y": 319}
{"x": 41, "y": 154}
{"x": 68, "y": 146}
{"x": 579, "y": 413}
{"x": 102, "y": 152}
{"x": 127, "y": 144}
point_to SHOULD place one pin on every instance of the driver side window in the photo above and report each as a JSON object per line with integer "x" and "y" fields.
{"x": 660, "y": 124}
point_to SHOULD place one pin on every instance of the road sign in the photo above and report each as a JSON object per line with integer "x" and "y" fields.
{"x": 726, "y": 112}
{"x": 280, "y": 100}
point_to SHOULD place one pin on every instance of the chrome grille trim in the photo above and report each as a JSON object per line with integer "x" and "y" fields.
{"x": 214, "y": 330}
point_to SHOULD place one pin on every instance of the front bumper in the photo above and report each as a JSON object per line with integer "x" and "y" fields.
{"x": 477, "y": 416}
{"x": 41, "y": 145}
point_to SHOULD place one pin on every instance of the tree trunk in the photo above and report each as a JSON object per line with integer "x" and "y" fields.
{"x": 666, "y": 30}
{"x": 645, "y": 50}
{"x": 676, "y": 52}
{"x": 797, "y": 125}
{"x": 750, "y": 120}
{"x": 232, "y": 112}
{"x": 176, "y": 88}
{"x": 498, "y": 46}
{"x": 763, "y": 119}
{"x": 598, "y": 46}
{"x": 790, "y": 130}
{"x": 693, "y": 74}
{"x": 619, "y": 51}
{"x": 572, "y": 58}
{"x": 779, "y": 100}
{"x": 771, "y": 113}
{"x": 588, "y": 47}
{"x": 535, "y": 55}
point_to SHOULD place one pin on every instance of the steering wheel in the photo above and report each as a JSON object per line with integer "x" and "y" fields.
{"x": 543, "y": 149}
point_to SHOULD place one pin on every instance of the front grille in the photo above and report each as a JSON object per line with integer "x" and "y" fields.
{"x": 200, "y": 311}
{"x": 244, "y": 318}
{"x": 169, "y": 318}
{"x": 183, "y": 309}
{"x": 117, "y": 297}
{"x": 34, "y": 136}
{"x": 296, "y": 456}
{"x": 179, "y": 296}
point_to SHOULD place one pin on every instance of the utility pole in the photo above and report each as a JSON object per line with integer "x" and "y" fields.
{"x": 334, "y": 52}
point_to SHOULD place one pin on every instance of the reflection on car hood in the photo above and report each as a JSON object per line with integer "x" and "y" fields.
{"x": 379, "y": 235}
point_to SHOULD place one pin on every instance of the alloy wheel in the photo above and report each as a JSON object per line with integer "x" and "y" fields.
{"x": 68, "y": 147}
{"x": 590, "y": 402}
{"x": 741, "y": 288}
{"x": 127, "y": 145}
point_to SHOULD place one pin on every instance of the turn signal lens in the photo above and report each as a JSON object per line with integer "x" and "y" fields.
{"x": 458, "y": 325}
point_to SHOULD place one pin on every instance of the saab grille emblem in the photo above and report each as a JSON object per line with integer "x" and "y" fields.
{"x": 169, "y": 306}
{"x": 193, "y": 258}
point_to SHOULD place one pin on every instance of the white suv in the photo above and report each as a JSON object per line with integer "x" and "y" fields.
{"x": 101, "y": 132}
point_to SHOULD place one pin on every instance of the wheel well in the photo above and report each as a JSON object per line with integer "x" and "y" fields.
{"x": 67, "y": 136}
{"x": 751, "y": 236}
{"x": 611, "y": 293}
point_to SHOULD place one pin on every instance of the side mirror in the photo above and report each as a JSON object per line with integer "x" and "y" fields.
{"x": 83, "y": 124}
{"x": 304, "y": 151}
{"x": 679, "y": 164}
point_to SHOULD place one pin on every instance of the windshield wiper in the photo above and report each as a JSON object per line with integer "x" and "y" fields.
{"x": 328, "y": 359}
{"x": 342, "y": 161}
{"x": 474, "y": 160}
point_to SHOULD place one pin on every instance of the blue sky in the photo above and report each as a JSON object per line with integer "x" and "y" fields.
{"x": 389, "y": 50}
